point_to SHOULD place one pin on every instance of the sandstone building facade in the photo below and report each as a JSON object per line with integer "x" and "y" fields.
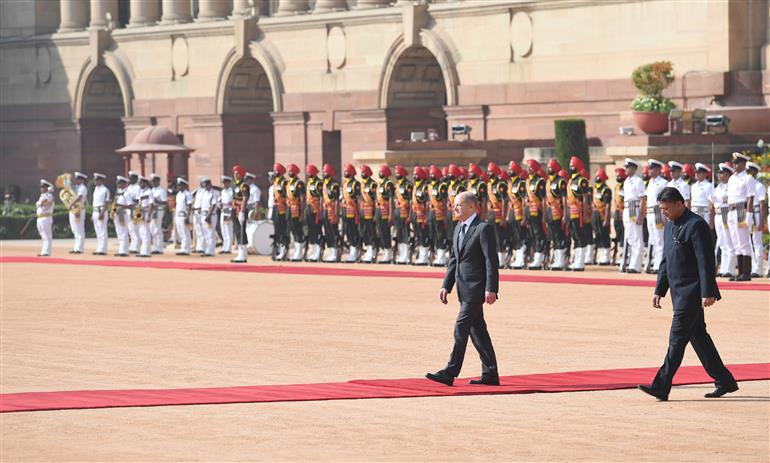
{"x": 251, "y": 82}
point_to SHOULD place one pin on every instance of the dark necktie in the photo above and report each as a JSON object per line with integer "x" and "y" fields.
{"x": 461, "y": 236}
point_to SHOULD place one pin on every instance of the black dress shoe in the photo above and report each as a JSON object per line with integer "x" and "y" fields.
{"x": 648, "y": 390}
{"x": 487, "y": 380}
{"x": 182, "y": 253}
{"x": 720, "y": 391}
{"x": 631, "y": 271}
{"x": 120, "y": 255}
{"x": 440, "y": 377}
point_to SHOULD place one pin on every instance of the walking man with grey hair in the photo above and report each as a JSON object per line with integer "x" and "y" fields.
{"x": 473, "y": 265}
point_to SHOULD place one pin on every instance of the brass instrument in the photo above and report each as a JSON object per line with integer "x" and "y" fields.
{"x": 114, "y": 207}
{"x": 137, "y": 216}
{"x": 67, "y": 195}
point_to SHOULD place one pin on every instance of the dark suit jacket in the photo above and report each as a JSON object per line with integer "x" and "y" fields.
{"x": 688, "y": 267}
{"x": 473, "y": 266}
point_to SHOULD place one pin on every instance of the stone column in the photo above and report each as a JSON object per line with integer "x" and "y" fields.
{"x": 99, "y": 10}
{"x": 144, "y": 13}
{"x": 74, "y": 15}
{"x": 212, "y": 10}
{"x": 326, "y": 6}
{"x": 365, "y": 4}
{"x": 242, "y": 8}
{"x": 292, "y": 7}
{"x": 176, "y": 12}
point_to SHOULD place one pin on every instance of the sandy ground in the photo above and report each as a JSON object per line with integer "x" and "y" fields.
{"x": 75, "y": 327}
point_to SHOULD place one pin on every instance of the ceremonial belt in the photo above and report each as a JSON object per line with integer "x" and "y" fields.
{"x": 44, "y": 215}
{"x": 702, "y": 211}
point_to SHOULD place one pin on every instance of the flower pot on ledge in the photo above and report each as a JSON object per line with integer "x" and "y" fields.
{"x": 651, "y": 123}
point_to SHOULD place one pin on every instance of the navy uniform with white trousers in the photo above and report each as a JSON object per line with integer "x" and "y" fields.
{"x": 688, "y": 271}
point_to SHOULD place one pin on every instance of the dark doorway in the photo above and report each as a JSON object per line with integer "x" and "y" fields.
{"x": 332, "y": 149}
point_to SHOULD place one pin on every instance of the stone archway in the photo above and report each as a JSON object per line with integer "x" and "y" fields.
{"x": 102, "y": 131}
{"x": 416, "y": 95}
{"x": 247, "y": 101}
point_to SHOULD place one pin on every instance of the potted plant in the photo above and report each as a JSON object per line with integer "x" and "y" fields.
{"x": 650, "y": 107}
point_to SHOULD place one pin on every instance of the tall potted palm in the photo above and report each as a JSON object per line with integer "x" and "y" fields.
{"x": 650, "y": 107}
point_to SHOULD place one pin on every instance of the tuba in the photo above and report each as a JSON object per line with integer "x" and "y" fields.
{"x": 67, "y": 194}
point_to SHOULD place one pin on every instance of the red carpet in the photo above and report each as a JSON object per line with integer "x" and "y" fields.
{"x": 594, "y": 380}
{"x": 356, "y": 271}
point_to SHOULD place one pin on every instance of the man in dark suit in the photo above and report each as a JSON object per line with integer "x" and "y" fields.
{"x": 689, "y": 271}
{"x": 472, "y": 266}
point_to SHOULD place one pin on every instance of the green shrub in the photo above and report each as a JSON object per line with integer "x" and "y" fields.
{"x": 570, "y": 140}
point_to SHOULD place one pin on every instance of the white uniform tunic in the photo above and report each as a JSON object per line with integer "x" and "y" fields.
{"x": 702, "y": 196}
{"x": 78, "y": 221}
{"x": 740, "y": 187}
{"x": 724, "y": 240}
{"x": 226, "y": 218}
{"x": 683, "y": 187}
{"x": 633, "y": 192}
{"x": 160, "y": 200}
{"x": 44, "y": 211}
{"x": 146, "y": 204}
{"x": 255, "y": 194}
{"x": 758, "y": 256}
{"x": 122, "y": 218}
{"x": 197, "y": 220}
{"x": 100, "y": 216}
{"x": 183, "y": 202}
{"x": 209, "y": 200}
{"x": 655, "y": 220}
{"x": 132, "y": 194}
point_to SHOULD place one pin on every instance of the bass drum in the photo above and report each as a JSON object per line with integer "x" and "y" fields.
{"x": 263, "y": 241}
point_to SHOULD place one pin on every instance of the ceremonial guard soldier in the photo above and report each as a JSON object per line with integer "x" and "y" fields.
{"x": 44, "y": 211}
{"x": 252, "y": 211}
{"x": 702, "y": 194}
{"x": 313, "y": 217}
{"x": 535, "y": 209}
{"x": 77, "y": 212}
{"x": 226, "y": 214}
{"x": 197, "y": 218}
{"x": 478, "y": 186}
{"x": 439, "y": 193}
{"x": 279, "y": 215}
{"x": 121, "y": 214}
{"x": 635, "y": 203}
{"x": 295, "y": 195}
{"x": 555, "y": 193}
{"x": 99, "y": 216}
{"x": 578, "y": 193}
{"x": 517, "y": 195}
{"x": 758, "y": 224}
{"x": 331, "y": 195}
{"x": 160, "y": 204}
{"x": 351, "y": 192}
{"x": 617, "y": 217}
{"x": 728, "y": 260}
{"x": 679, "y": 182}
{"x": 386, "y": 191}
{"x": 404, "y": 190}
{"x": 143, "y": 216}
{"x": 183, "y": 215}
{"x": 242, "y": 195}
{"x": 132, "y": 195}
{"x": 456, "y": 186}
{"x": 655, "y": 219}
{"x": 600, "y": 218}
{"x": 420, "y": 230}
{"x": 588, "y": 230}
{"x": 366, "y": 213}
{"x": 209, "y": 215}
{"x": 497, "y": 191}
